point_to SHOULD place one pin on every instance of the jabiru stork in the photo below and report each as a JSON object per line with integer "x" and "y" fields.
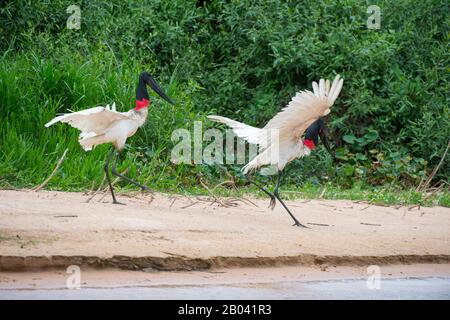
{"x": 303, "y": 114}
{"x": 101, "y": 125}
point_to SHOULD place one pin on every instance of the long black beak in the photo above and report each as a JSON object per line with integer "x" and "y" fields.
{"x": 155, "y": 86}
{"x": 323, "y": 134}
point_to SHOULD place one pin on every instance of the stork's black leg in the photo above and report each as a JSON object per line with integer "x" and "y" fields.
{"x": 144, "y": 188}
{"x": 277, "y": 195}
{"x": 108, "y": 159}
{"x": 275, "y": 191}
{"x": 272, "y": 197}
{"x": 280, "y": 177}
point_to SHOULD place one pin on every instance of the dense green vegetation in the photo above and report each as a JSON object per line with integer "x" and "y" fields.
{"x": 240, "y": 58}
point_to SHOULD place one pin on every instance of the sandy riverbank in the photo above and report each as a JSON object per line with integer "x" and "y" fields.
{"x": 48, "y": 229}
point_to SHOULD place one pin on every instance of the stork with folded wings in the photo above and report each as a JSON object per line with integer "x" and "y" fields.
{"x": 101, "y": 125}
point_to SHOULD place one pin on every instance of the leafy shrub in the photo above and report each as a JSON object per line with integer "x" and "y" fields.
{"x": 239, "y": 58}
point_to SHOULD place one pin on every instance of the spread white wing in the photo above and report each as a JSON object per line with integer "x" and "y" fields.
{"x": 94, "y": 120}
{"x": 279, "y": 140}
{"x": 306, "y": 107}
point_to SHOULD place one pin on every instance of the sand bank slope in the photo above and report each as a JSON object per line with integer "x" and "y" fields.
{"x": 60, "y": 228}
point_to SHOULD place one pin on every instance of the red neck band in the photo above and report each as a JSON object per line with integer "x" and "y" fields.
{"x": 309, "y": 144}
{"x": 141, "y": 104}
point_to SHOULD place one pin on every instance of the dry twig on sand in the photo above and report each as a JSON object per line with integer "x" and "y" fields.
{"x": 371, "y": 224}
{"x": 190, "y": 205}
{"x": 227, "y": 182}
{"x": 58, "y": 164}
{"x": 98, "y": 190}
{"x": 423, "y": 187}
{"x": 172, "y": 202}
{"x": 327, "y": 205}
{"x": 414, "y": 206}
{"x": 233, "y": 184}
{"x": 226, "y": 202}
{"x": 213, "y": 195}
{"x": 243, "y": 199}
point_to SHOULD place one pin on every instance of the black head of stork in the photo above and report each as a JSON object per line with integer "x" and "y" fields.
{"x": 319, "y": 129}
{"x": 142, "y": 97}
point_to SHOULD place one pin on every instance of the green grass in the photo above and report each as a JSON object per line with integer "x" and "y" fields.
{"x": 373, "y": 195}
{"x": 29, "y": 151}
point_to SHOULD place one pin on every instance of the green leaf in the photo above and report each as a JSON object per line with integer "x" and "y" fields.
{"x": 360, "y": 157}
{"x": 349, "y": 138}
{"x": 348, "y": 170}
{"x": 371, "y": 136}
{"x": 341, "y": 153}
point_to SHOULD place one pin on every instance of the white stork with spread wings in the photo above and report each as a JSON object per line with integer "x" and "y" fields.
{"x": 280, "y": 141}
{"x": 100, "y": 125}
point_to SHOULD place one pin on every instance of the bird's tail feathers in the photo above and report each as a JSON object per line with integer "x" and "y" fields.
{"x": 54, "y": 120}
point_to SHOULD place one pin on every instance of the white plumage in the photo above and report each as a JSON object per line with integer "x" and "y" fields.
{"x": 280, "y": 140}
{"x": 100, "y": 125}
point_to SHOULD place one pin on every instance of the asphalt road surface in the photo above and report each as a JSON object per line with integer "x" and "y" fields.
{"x": 397, "y": 288}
